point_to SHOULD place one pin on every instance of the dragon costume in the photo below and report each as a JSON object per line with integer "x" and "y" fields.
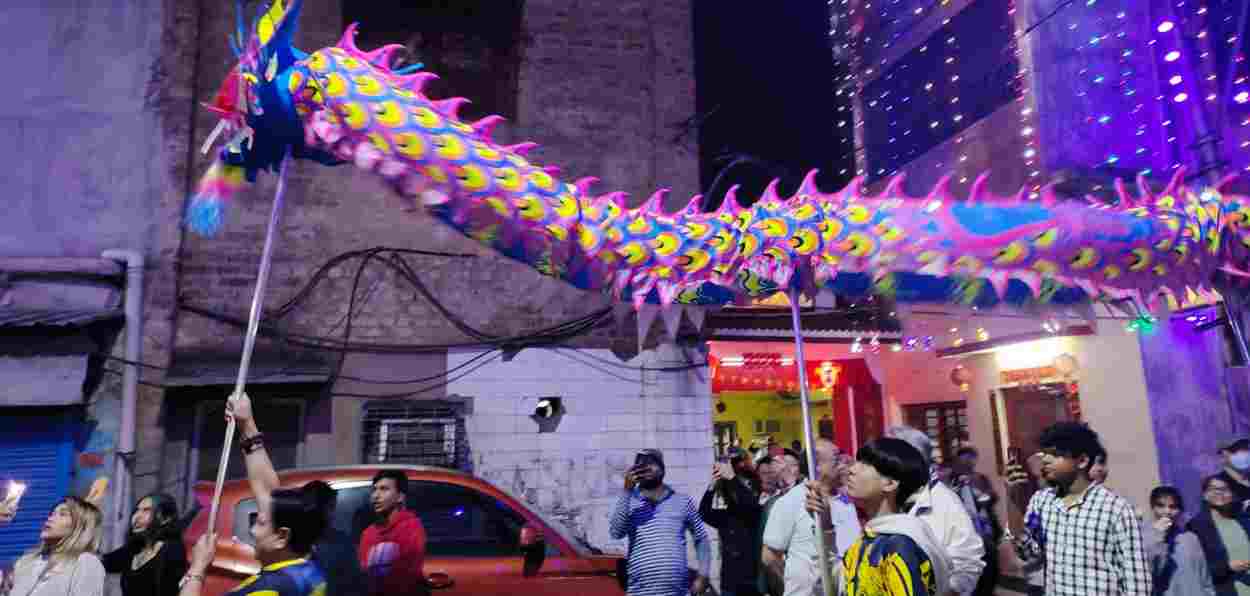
{"x": 343, "y": 105}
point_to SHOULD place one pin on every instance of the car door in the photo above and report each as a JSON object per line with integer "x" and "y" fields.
{"x": 473, "y": 548}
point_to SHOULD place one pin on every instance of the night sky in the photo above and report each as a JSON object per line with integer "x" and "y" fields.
{"x": 764, "y": 75}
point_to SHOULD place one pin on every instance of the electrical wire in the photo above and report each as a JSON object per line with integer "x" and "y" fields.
{"x": 417, "y": 392}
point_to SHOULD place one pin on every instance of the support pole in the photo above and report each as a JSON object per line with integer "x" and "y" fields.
{"x": 249, "y": 340}
{"x": 801, "y": 363}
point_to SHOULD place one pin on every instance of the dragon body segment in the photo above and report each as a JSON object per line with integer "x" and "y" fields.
{"x": 341, "y": 104}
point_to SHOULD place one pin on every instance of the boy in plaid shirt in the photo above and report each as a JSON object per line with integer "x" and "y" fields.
{"x": 1089, "y": 538}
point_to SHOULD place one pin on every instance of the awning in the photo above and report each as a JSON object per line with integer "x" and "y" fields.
{"x": 51, "y": 357}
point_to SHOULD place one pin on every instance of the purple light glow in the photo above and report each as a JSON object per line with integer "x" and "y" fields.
{"x": 1176, "y": 79}
{"x": 1242, "y": 97}
{"x": 1180, "y": 97}
{"x": 1172, "y": 56}
{"x": 1165, "y": 26}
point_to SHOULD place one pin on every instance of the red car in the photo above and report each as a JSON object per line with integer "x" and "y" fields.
{"x": 479, "y": 540}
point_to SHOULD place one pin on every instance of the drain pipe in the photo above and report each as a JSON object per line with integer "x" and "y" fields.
{"x": 124, "y": 450}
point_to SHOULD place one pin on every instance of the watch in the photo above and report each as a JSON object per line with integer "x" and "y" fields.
{"x": 190, "y": 577}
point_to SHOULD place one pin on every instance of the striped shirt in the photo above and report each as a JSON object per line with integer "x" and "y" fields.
{"x": 657, "y": 541}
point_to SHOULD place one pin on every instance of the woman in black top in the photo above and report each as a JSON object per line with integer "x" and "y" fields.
{"x": 153, "y": 560}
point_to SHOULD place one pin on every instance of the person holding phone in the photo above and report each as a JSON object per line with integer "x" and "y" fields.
{"x": 1088, "y": 538}
{"x": 737, "y": 520}
{"x": 655, "y": 519}
{"x": 13, "y": 495}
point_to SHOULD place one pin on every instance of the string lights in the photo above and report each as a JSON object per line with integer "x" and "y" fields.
{"x": 1125, "y": 80}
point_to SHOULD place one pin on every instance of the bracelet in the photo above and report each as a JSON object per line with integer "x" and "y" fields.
{"x": 190, "y": 577}
{"x": 250, "y": 444}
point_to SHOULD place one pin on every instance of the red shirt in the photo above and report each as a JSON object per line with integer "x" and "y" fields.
{"x": 392, "y": 554}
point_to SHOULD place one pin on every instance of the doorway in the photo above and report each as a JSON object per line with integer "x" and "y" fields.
{"x": 1022, "y": 412}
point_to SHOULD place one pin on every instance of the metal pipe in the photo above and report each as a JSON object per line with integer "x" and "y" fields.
{"x": 801, "y": 363}
{"x": 253, "y": 325}
{"x": 123, "y": 472}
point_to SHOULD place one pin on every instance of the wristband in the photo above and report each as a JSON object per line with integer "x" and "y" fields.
{"x": 250, "y": 444}
{"x": 190, "y": 577}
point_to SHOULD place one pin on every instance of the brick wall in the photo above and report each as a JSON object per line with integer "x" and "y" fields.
{"x": 575, "y": 474}
{"x": 600, "y": 85}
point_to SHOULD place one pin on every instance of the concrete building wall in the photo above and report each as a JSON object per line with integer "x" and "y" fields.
{"x": 90, "y": 164}
{"x": 575, "y": 474}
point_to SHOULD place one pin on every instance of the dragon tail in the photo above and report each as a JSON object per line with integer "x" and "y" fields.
{"x": 207, "y": 208}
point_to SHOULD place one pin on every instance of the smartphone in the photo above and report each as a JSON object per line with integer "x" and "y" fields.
{"x": 14, "y": 494}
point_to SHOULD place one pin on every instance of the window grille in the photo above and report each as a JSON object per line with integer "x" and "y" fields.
{"x": 424, "y": 433}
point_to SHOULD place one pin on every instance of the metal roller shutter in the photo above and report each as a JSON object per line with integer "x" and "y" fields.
{"x": 37, "y": 449}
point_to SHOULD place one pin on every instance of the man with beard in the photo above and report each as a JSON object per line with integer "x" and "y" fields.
{"x": 732, "y": 506}
{"x": 1088, "y": 537}
{"x": 392, "y": 548}
{"x": 656, "y": 519}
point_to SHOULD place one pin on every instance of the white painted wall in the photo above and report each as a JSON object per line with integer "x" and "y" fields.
{"x": 613, "y": 410}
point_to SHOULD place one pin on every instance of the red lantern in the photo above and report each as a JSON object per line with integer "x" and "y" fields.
{"x": 960, "y": 377}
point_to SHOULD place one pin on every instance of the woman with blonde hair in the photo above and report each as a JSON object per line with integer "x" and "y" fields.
{"x": 65, "y": 562}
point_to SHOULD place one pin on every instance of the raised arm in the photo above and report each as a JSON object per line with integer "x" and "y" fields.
{"x": 620, "y": 526}
{"x": 260, "y": 473}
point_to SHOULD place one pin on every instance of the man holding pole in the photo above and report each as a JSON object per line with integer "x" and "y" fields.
{"x": 791, "y": 555}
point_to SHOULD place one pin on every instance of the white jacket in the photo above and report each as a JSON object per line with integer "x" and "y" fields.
{"x": 940, "y": 508}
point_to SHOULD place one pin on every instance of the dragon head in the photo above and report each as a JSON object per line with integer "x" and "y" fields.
{"x": 258, "y": 117}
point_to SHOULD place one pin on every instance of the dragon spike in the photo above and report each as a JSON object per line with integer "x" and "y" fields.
{"x": 1020, "y": 196}
{"x": 894, "y": 188}
{"x": 941, "y": 190}
{"x": 808, "y": 186}
{"x": 1177, "y": 182}
{"x": 520, "y": 148}
{"x": 617, "y": 198}
{"x": 417, "y": 81}
{"x": 486, "y": 126}
{"x": 1143, "y": 189}
{"x": 655, "y": 203}
{"x": 1049, "y": 196}
{"x": 731, "y": 202}
{"x": 770, "y": 191}
{"x": 348, "y": 41}
{"x": 1126, "y": 200}
{"x": 999, "y": 280}
{"x": 854, "y": 190}
{"x": 695, "y": 206}
{"x": 583, "y": 185}
{"x": 551, "y": 170}
{"x": 979, "y": 191}
{"x": 382, "y": 56}
{"x": 450, "y": 107}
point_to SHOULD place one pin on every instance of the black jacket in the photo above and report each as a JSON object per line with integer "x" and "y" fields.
{"x": 738, "y": 528}
{"x": 157, "y": 577}
{"x": 1217, "y": 556}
